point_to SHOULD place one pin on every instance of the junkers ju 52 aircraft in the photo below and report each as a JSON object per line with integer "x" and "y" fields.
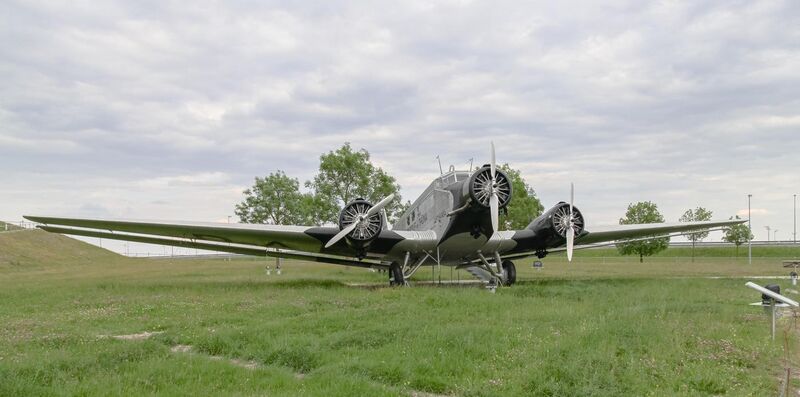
{"x": 453, "y": 223}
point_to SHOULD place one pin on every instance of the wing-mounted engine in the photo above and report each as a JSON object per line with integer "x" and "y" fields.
{"x": 368, "y": 225}
{"x": 550, "y": 229}
{"x": 360, "y": 222}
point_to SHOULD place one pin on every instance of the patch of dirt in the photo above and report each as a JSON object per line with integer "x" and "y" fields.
{"x": 181, "y": 349}
{"x": 140, "y": 336}
{"x": 247, "y": 364}
{"x": 243, "y": 363}
{"x": 424, "y": 394}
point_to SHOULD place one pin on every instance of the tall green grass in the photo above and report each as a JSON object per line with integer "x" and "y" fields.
{"x": 581, "y": 328}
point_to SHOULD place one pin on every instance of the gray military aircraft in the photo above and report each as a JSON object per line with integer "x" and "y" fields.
{"x": 453, "y": 223}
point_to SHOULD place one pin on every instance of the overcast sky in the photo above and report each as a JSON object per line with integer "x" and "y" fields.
{"x": 167, "y": 110}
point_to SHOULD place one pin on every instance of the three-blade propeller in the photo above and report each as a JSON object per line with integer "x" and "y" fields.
{"x": 361, "y": 219}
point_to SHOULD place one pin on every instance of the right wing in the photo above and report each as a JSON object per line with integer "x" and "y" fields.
{"x": 601, "y": 234}
{"x": 294, "y": 242}
{"x": 612, "y": 234}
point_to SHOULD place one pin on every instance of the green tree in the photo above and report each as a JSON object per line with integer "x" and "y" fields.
{"x": 737, "y": 234}
{"x": 524, "y": 205}
{"x": 698, "y": 214}
{"x": 401, "y": 209}
{"x": 639, "y": 213}
{"x": 347, "y": 174}
{"x": 276, "y": 199}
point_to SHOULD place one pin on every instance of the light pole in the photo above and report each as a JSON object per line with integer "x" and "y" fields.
{"x": 750, "y": 229}
{"x": 775, "y": 235}
{"x": 768, "y": 230}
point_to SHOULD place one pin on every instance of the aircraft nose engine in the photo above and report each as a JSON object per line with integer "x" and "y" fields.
{"x": 481, "y": 186}
{"x": 368, "y": 226}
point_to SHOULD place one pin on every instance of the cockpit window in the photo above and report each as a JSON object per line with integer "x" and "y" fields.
{"x": 454, "y": 177}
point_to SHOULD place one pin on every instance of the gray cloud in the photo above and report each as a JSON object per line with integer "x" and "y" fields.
{"x": 684, "y": 104}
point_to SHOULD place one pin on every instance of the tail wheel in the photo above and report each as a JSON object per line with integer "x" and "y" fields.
{"x": 396, "y": 274}
{"x": 509, "y": 272}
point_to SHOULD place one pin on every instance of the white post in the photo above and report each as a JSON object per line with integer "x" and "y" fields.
{"x": 773, "y": 318}
{"x": 750, "y": 228}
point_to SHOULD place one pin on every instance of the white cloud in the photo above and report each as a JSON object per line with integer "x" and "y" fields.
{"x": 113, "y": 107}
{"x": 206, "y": 179}
{"x": 742, "y": 213}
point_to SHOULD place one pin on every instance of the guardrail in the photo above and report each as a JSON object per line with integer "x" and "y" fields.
{"x": 779, "y": 243}
{"x": 10, "y": 226}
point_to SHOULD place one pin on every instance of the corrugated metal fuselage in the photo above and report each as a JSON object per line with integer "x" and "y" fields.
{"x": 461, "y": 229}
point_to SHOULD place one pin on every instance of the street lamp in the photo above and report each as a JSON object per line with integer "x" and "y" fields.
{"x": 775, "y": 235}
{"x": 768, "y": 230}
{"x": 750, "y": 230}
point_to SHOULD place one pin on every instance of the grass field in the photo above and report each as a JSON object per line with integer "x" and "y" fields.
{"x": 602, "y": 325}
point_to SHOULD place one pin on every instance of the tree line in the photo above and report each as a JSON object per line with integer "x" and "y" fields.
{"x": 346, "y": 174}
{"x": 647, "y": 212}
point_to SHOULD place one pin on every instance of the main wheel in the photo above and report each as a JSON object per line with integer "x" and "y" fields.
{"x": 509, "y": 272}
{"x": 396, "y": 274}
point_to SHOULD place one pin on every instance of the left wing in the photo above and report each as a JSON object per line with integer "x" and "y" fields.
{"x": 294, "y": 242}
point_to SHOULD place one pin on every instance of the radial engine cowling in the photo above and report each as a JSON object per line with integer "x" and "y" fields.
{"x": 479, "y": 188}
{"x": 551, "y": 227}
{"x": 368, "y": 228}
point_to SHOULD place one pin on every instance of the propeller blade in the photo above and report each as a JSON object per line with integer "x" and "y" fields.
{"x": 571, "y": 196}
{"x": 570, "y": 243}
{"x": 571, "y": 232}
{"x": 341, "y": 234}
{"x": 492, "y": 164}
{"x": 494, "y": 207}
{"x": 377, "y": 207}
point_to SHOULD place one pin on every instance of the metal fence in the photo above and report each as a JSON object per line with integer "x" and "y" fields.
{"x": 11, "y": 226}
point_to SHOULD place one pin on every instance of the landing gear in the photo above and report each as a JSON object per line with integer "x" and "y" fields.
{"x": 396, "y": 275}
{"x": 476, "y": 231}
{"x": 509, "y": 272}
